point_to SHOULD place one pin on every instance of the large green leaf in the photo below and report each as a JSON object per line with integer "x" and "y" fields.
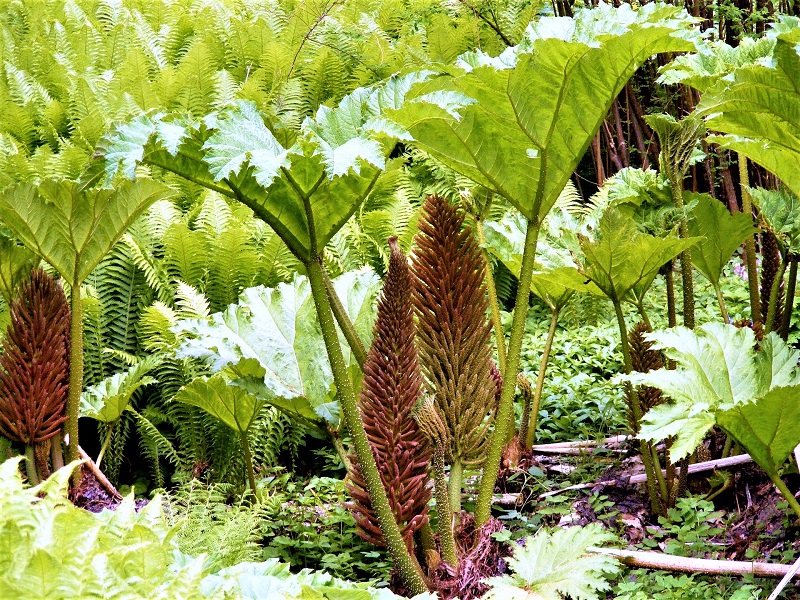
{"x": 703, "y": 70}
{"x": 107, "y": 400}
{"x": 305, "y": 192}
{"x": 758, "y": 108}
{"x": 718, "y": 370}
{"x": 720, "y": 233}
{"x": 519, "y": 124}
{"x": 16, "y": 263}
{"x": 556, "y": 278}
{"x": 779, "y": 211}
{"x": 232, "y": 405}
{"x": 622, "y": 259}
{"x": 71, "y": 227}
{"x": 278, "y": 328}
{"x": 556, "y": 565}
{"x": 767, "y": 428}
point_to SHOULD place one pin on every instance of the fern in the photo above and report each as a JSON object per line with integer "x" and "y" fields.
{"x": 208, "y": 523}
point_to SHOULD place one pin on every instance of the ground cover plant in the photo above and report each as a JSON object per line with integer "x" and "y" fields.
{"x": 329, "y": 276}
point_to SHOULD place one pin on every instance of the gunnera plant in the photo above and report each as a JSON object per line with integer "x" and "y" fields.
{"x": 453, "y": 334}
{"x": 392, "y": 386}
{"x": 34, "y": 371}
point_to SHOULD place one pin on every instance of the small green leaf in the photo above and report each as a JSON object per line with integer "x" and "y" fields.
{"x": 622, "y": 258}
{"x": 107, "y": 400}
{"x": 720, "y": 233}
{"x": 233, "y": 406}
{"x": 766, "y": 428}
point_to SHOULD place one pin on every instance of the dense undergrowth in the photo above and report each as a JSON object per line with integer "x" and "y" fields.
{"x": 212, "y": 184}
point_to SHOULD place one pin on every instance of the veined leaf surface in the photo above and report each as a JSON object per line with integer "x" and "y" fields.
{"x": 305, "y": 192}
{"x": 519, "y": 123}
{"x": 758, "y": 110}
{"x": 278, "y": 328}
{"x": 73, "y": 228}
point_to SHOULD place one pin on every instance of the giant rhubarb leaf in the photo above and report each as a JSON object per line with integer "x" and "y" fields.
{"x": 721, "y": 379}
{"x": 720, "y": 233}
{"x": 758, "y": 109}
{"x": 72, "y": 227}
{"x": 273, "y": 334}
{"x": 519, "y": 123}
{"x": 621, "y": 258}
{"x": 305, "y": 192}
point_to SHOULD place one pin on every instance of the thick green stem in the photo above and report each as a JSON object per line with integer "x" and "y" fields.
{"x": 248, "y": 462}
{"x": 106, "y": 442}
{"x": 494, "y": 304}
{"x": 454, "y": 485}
{"x": 773, "y": 297}
{"x": 662, "y": 483}
{"x": 687, "y": 281}
{"x": 505, "y": 412}
{"x": 443, "y": 508}
{"x": 406, "y": 564}
{"x": 722, "y": 308}
{"x": 636, "y": 410}
{"x": 530, "y": 437}
{"x": 669, "y": 278}
{"x": 643, "y": 314}
{"x": 75, "y": 377}
{"x": 343, "y": 319}
{"x": 786, "y": 493}
{"x": 336, "y": 440}
{"x": 30, "y": 466}
{"x": 789, "y": 306}
{"x": 749, "y": 243}
{"x": 56, "y": 457}
{"x": 687, "y": 278}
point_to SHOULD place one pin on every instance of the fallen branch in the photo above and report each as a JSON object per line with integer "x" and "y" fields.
{"x": 683, "y": 564}
{"x": 99, "y": 475}
{"x": 612, "y": 441}
{"x": 720, "y": 463}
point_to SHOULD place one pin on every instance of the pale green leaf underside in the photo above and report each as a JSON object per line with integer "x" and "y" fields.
{"x": 525, "y": 120}
{"x": 718, "y": 370}
{"x": 759, "y": 111}
{"x": 107, "y": 400}
{"x": 552, "y": 566}
{"x": 278, "y": 328}
{"x": 72, "y": 228}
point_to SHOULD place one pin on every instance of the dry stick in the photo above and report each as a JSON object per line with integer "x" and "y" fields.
{"x": 99, "y": 475}
{"x": 786, "y": 579}
{"x": 710, "y": 465}
{"x": 611, "y": 441}
{"x": 683, "y": 564}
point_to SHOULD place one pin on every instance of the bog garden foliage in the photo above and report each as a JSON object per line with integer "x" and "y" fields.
{"x": 312, "y": 279}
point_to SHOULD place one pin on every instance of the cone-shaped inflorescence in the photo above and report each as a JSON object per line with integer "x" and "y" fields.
{"x": 34, "y": 366}
{"x": 770, "y": 269}
{"x": 643, "y": 359}
{"x": 453, "y": 333}
{"x": 392, "y": 386}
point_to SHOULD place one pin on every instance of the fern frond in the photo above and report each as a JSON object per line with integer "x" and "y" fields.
{"x": 191, "y": 303}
